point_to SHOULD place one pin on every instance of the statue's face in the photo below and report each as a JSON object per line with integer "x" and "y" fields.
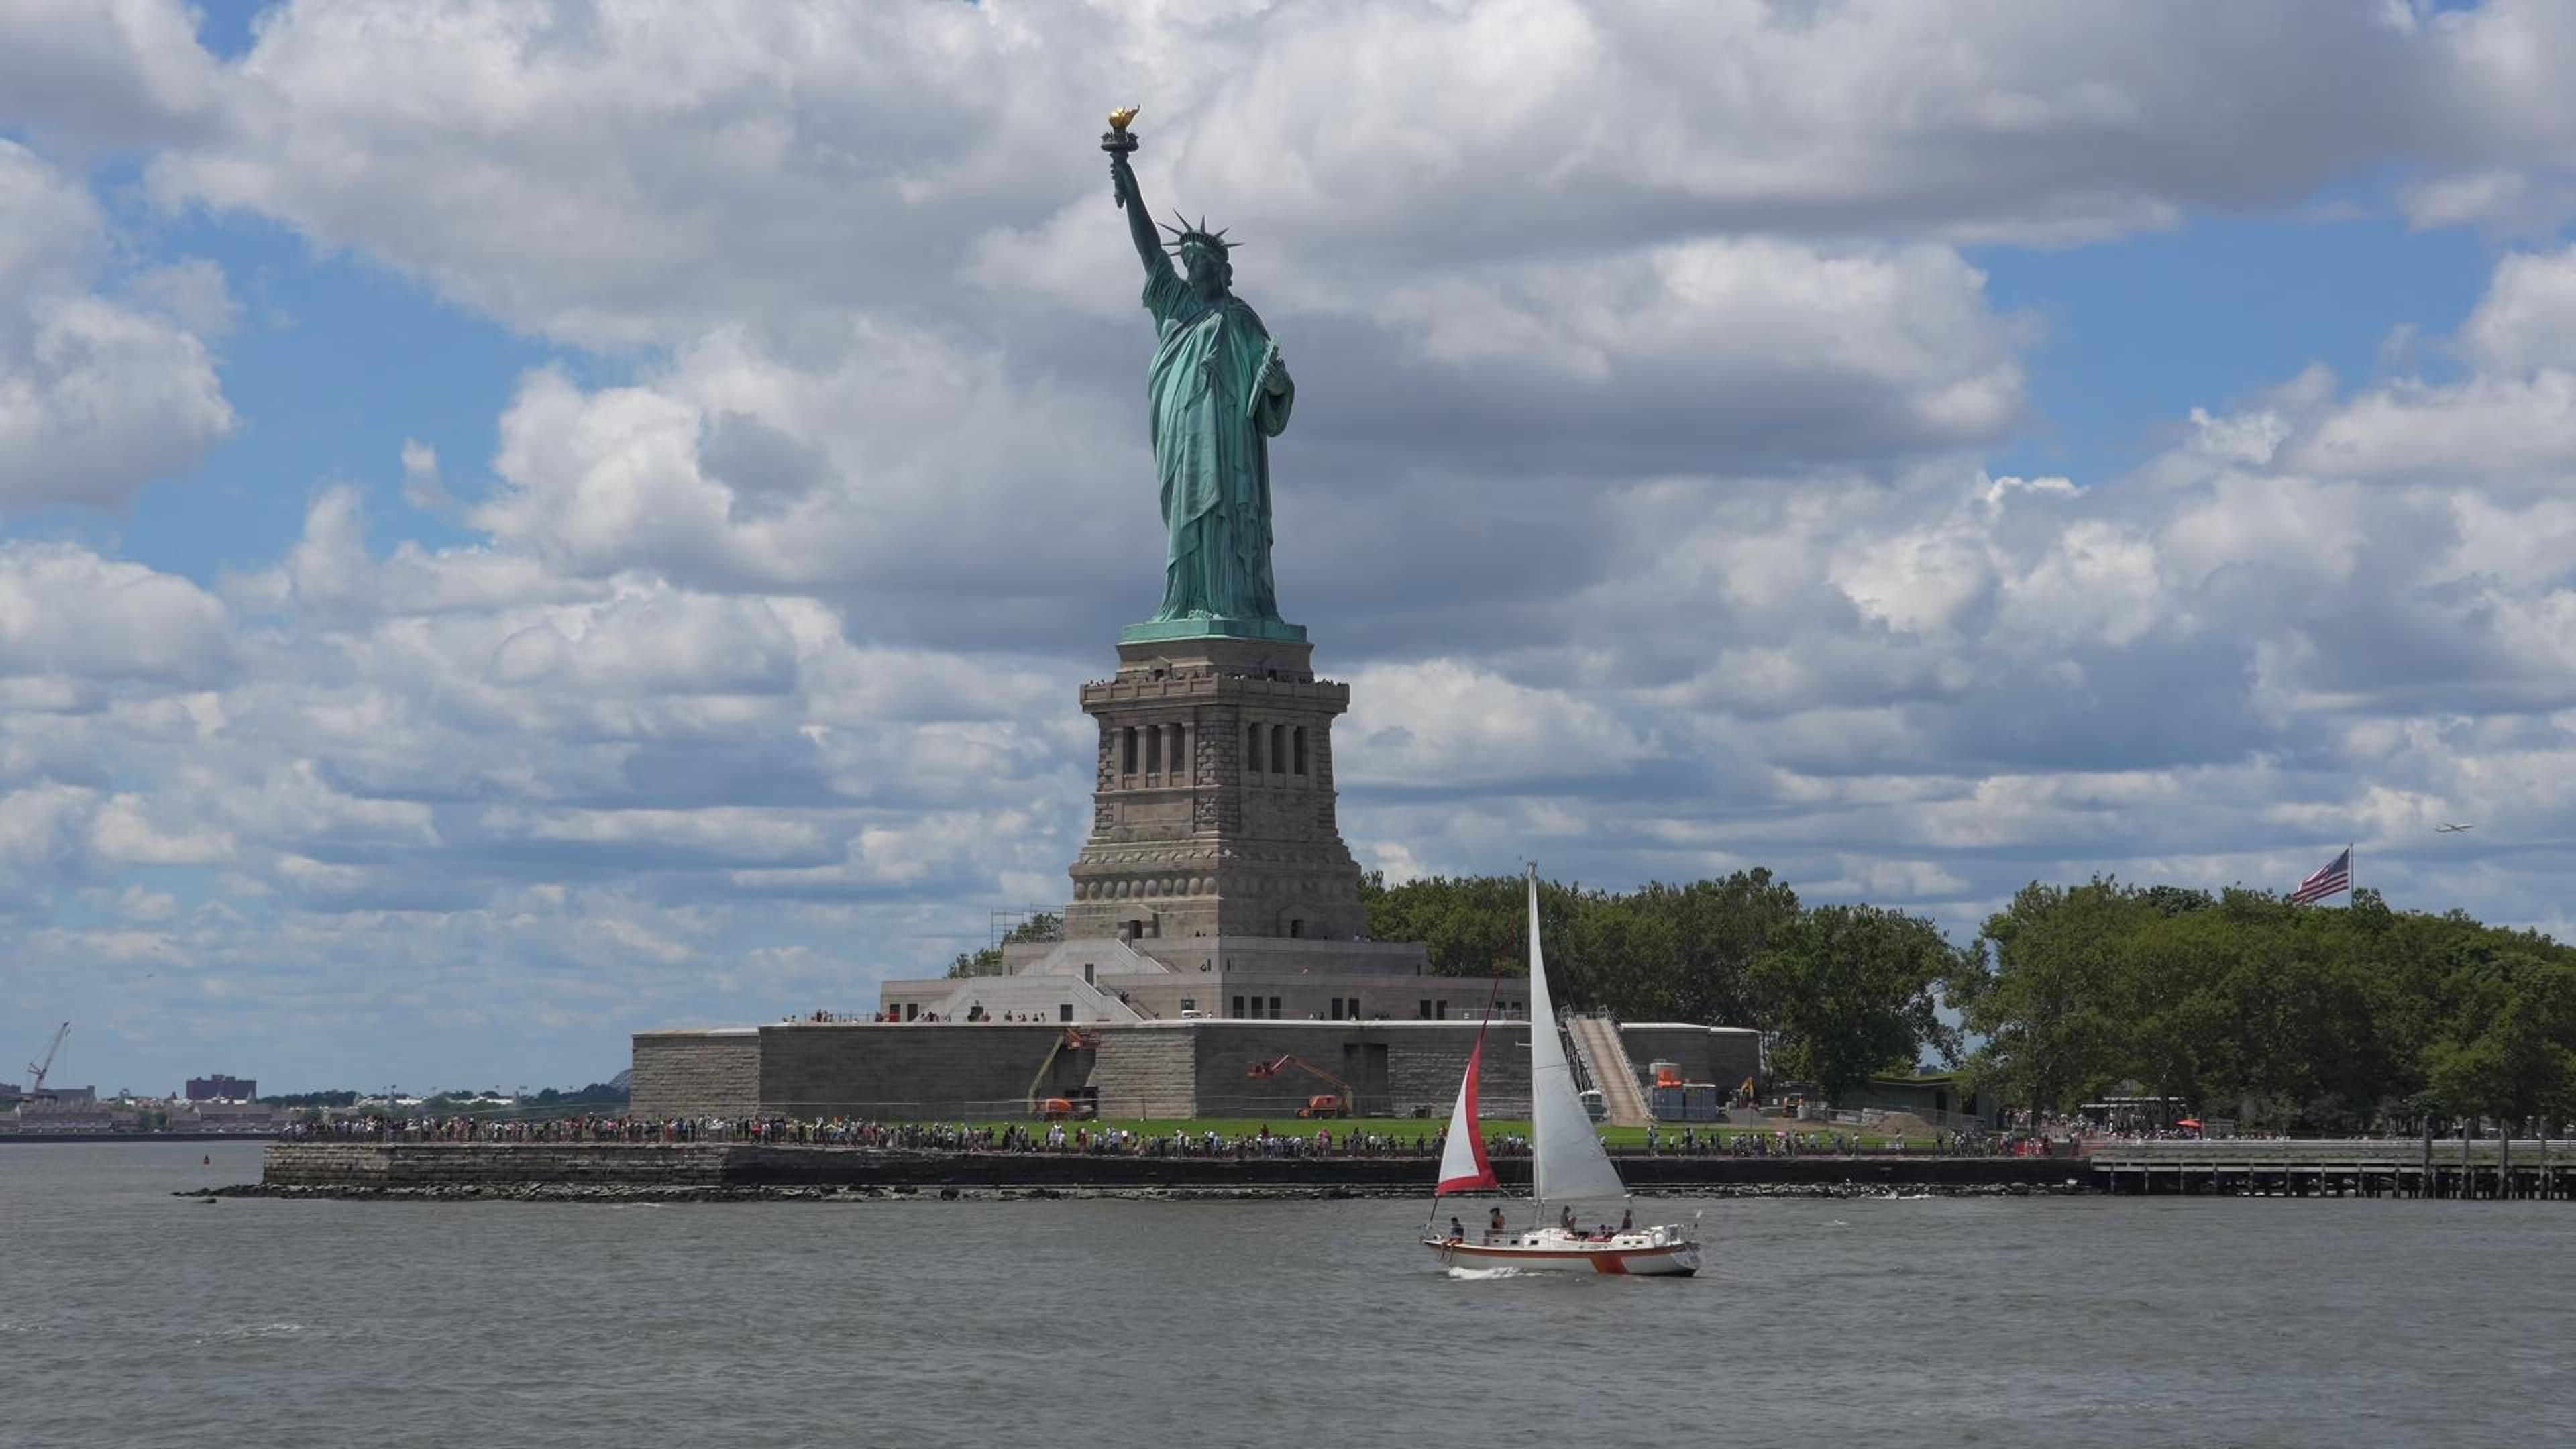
{"x": 1207, "y": 269}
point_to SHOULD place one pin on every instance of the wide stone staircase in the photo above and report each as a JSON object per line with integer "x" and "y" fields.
{"x": 1147, "y": 1073}
{"x": 1605, "y": 1061}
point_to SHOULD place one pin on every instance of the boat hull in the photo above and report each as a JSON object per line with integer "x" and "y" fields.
{"x": 1663, "y": 1252}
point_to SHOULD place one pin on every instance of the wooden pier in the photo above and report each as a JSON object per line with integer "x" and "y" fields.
{"x": 2489, "y": 1169}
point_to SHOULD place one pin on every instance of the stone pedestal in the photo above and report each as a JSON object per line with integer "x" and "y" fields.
{"x": 1212, "y": 809}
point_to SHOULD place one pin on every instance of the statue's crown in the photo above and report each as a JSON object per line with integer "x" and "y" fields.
{"x": 1186, "y": 233}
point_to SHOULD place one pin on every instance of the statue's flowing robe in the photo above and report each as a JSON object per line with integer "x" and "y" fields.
{"x": 1212, "y": 426}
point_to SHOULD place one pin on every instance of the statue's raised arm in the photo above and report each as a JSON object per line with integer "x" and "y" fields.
{"x": 1140, "y": 222}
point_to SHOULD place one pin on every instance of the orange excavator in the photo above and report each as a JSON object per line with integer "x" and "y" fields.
{"x": 1335, "y": 1103}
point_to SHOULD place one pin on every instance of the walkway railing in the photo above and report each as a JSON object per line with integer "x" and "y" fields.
{"x": 2453, "y": 1167}
{"x": 2327, "y": 1151}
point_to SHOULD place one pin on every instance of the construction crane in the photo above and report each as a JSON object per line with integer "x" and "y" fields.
{"x": 37, "y": 1086}
{"x": 1336, "y": 1103}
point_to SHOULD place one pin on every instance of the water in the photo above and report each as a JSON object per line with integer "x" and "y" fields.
{"x": 129, "y": 1317}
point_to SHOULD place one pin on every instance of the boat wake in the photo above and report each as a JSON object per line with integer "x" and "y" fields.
{"x": 1479, "y": 1275}
{"x": 281, "y": 1328}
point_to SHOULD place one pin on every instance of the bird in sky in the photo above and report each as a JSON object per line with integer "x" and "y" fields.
{"x": 2451, "y": 829}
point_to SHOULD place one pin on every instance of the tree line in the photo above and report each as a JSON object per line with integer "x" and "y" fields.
{"x": 2313, "y": 1018}
{"x": 2307, "y": 1018}
{"x": 1841, "y": 991}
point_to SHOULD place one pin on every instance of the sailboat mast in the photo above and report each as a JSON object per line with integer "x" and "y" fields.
{"x": 1542, "y": 1004}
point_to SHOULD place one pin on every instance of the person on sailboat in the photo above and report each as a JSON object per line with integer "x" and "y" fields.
{"x": 1565, "y": 1219}
{"x": 1457, "y": 1231}
{"x": 1494, "y": 1225}
{"x": 1627, "y": 1219}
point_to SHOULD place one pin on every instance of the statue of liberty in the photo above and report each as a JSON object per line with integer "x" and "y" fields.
{"x": 1219, "y": 393}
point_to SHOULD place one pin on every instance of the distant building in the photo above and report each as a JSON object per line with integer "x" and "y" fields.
{"x": 220, "y": 1088}
{"x": 225, "y": 1117}
{"x": 66, "y": 1114}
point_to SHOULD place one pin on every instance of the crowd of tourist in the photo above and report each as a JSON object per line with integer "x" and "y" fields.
{"x": 1088, "y": 1138}
{"x": 1780, "y": 1142}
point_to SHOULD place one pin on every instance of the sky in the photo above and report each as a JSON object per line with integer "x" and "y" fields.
{"x": 525, "y": 523}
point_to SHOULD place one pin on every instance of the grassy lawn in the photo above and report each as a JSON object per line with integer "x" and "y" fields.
{"x": 1415, "y": 1129}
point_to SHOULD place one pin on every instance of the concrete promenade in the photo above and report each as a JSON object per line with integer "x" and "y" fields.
{"x": 618, "y": 1169}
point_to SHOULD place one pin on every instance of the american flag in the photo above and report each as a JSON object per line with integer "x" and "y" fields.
{"x": 2335, "y": 876}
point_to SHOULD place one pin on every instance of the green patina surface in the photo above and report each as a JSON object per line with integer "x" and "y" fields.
{"x": 1218, "y": 391}
{"x": 1211, "y": 628}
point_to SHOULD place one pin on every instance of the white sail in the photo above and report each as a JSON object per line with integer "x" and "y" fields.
{"x": 1567, "y": 1162}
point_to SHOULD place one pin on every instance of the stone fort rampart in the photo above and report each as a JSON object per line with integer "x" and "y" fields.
{"x": 1151, "y": 1070}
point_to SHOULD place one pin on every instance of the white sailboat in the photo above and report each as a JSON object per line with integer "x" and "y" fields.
{"x": 1567, "y": 1167}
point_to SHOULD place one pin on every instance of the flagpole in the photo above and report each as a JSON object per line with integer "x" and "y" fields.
{"x": 2351, "y": 881}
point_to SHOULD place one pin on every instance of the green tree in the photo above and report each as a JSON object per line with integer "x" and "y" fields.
{"x": 2307, "y": 1018}
{"x": 1662, "y": 952}
{"x": 2511, "y": 1049}
{"x": 2039, "y": 989}
{"x": 1468, "y": 925}
{"x": 1848, "y": 991}
{"x": 1040, "y": 926}
{"x": 1709, "y": 934}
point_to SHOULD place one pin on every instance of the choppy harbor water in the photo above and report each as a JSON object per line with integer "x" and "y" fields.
{"x": 130, "y": 1317}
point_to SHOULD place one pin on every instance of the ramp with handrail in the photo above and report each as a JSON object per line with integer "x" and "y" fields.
{"x": 1605, "y": 1061}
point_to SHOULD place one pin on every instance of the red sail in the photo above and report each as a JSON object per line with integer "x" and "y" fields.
{"x": 1463, "y": 1167}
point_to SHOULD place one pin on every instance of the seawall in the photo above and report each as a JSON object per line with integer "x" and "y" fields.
{"x": 8, "y": 1138}
{"x": 625, "y": 1170}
